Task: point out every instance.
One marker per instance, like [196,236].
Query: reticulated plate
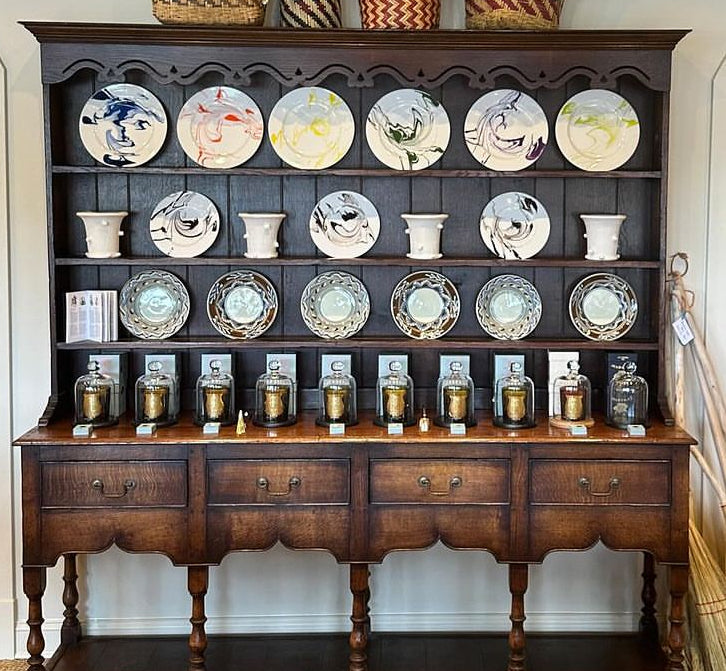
[514,225]
[408,129]
[311,128]
[335,305]
[123,125]
[425,305]
[506,130]
[344,225]
[597,130]
[603,306]
[508,307]
[242,304]
[153,304]
[220,127]
[184,224]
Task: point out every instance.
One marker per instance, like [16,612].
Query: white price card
[457,429]
[211,428]
[337,429]
[683,330]
[146,429]
[82,430]
[395,429]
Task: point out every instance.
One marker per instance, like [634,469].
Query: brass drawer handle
[293,483]
[454,482]
[128,486]
[584,483]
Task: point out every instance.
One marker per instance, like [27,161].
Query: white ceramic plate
[514,225]
[184,224]
[311,128]
[597,130]
[123,125]
[508,307]
[603,306]
[425,305]
[344,225]
[153,304]
[506,130]
[335,305]
[220,127]
[408,129]
[242,304]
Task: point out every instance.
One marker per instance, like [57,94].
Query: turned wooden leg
[518,577]
[677,633]
[648,624]
[71,628]
[34,587]
[358,635]
[197,581]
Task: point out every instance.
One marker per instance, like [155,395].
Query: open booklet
[91,315]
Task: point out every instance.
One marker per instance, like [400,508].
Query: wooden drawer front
[600,482]
[114,484]
[439,481]
[278,481]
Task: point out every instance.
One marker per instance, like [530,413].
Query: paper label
[636,430]
[683,330]
[211,428]
[337,429]
[82,430]
[145,429]
[457,429]
[395,429]
[578,430]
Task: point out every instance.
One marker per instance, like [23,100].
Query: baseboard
[7,626]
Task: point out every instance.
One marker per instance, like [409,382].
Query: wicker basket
[403,14]
[310,13]
[237,12]
[513,14]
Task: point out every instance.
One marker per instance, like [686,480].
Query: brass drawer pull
[128,486]
[584,483]
[293,483]
[454,482]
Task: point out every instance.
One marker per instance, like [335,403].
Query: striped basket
[237,12]
[403,14]
[310,13]
[513,14]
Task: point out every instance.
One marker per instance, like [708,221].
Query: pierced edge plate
[123,125]
[317,288]
[331,221]
[135,287]
[184,224]
[220,127]
[530,299]
[436,327]
[506,129]
[627,309]
[223,286]
[408,129]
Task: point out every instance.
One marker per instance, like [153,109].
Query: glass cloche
[455,398]
[275,403]
[627,399]
[215,396]
[394,397]
[575,394]
[94,397]
[156,397]
[514,400]
[337,397]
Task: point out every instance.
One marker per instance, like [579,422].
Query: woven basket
[403,14]
[237,12]
[310,13]
[513,14]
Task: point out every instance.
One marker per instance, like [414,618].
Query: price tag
[395,429]
[683,330]
[82,430]
[211,428]
[337,429]
[578,430]
[457,429]
[636,430]
[146,429]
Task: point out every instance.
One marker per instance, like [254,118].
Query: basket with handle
[513,14]
[226,12]
[400,14]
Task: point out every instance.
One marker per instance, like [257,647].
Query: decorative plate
[508,307]
[123,125]
[154,304]
[603,306]
[407,129]
[311,128]
[514,225]
[344,225]
[597,130]
[425,305]
[335,305]
[220,127]
[506,130]
[184,224]
[242,304]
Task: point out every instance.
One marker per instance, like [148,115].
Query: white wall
[282,590]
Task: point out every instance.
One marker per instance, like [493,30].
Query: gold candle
[456,402]
[275,403]
[155,402]
[95,402]
[515,404]
[215,402]
[394,401]
[336,400]
[572,404]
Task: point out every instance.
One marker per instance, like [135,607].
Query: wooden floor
[387,652]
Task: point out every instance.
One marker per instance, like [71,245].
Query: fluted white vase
[103,229]
[261,233]
[602,232]
[424,233]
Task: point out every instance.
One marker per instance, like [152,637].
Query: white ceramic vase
[424,232]
[602,232]
[103,229]
[261,233]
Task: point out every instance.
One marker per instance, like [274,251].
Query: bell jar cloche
[156,397]
[574,393]
[394,397]
[275,403]
[514,400]
[455,398]
[337,397]
[94,398]
[215,396]
[627,398]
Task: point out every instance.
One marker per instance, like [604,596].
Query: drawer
[439,481]
[103,484]
[278,481]
[600,482]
